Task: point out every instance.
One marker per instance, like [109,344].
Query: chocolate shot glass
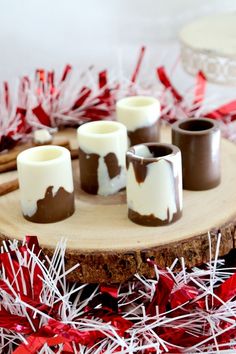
[46,183]
[199,142]
[102,149]
[154,184]
[140,115]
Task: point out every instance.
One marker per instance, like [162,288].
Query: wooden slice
[8,160]
[110,248]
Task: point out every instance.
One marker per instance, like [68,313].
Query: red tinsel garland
[44,102]
[47,102]
[185,312]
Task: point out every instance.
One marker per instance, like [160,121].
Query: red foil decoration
[177,312]
[164,79]
[43,101]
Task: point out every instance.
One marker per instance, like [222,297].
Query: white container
[154,184]
[208,44]
[46,183]
[140,115]
[102,151]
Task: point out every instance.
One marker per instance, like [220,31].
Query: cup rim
[82,130]
[123,102]
[131,152]
[24,156]
[177,126]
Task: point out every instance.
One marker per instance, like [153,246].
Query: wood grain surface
[110,248]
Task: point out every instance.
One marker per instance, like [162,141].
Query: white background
[105,33]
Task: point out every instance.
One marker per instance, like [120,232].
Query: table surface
[100,224]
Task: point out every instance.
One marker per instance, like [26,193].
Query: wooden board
[110,248]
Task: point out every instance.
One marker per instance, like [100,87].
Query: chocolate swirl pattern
[46,183]
[102,149]
[154,184]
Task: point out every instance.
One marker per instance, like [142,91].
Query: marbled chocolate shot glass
[46,183]
[154,184]
[199,142]
[102,150]
[140,115]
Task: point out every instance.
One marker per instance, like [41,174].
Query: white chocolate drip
[107,185]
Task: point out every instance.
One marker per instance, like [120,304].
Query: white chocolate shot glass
[154,184]
[140,115]
[102,154]
[46,183]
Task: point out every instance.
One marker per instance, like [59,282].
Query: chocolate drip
[89,169]
[113,167]
[151,220]
[140,165]
[53,208]
[140,171]
[150,133]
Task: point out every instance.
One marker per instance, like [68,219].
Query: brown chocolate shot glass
[154,184]
[141,116]
[199,142]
